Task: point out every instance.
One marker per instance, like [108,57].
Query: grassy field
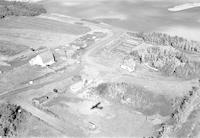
[38,32]
[10,49]
[38,128]
[35,38]
[43,25]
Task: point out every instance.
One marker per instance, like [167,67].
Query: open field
[39,32]
[38,128]
[9,49]
[35,38]
[42,25]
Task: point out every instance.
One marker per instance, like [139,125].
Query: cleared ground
[38,32]
[41,24]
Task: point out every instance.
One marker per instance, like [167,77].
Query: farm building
[44,59]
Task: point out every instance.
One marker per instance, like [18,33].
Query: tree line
[16,8]
[167,40]
[168,61]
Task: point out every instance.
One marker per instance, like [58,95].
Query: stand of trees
[167,40]
[189,70]
[15,8]
[169,61]
[11,118]
[129,94]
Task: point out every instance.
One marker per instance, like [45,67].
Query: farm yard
[64,76]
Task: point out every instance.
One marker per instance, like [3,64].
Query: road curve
[87,58]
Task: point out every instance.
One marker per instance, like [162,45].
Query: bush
[13,8]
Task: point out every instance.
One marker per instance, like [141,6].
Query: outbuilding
[43,59]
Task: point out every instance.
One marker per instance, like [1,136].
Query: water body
[136,15]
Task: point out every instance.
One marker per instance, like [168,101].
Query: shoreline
[184,7]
